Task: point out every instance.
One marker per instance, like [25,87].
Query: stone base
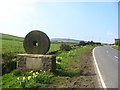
[36,62]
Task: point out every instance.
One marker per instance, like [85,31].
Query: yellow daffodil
[57,62]
[31,71]
[29,77]
[44,71]
[18,78]
[40,70]
[59,58]
[37,73]
[33,74]
[24,78]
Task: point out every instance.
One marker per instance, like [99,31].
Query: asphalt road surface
[107,60]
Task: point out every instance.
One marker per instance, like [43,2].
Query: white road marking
[116,57]
[98,70]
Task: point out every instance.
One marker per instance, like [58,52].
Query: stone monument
[36,45]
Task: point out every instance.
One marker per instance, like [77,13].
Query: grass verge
[116,47]
[76,69]
[69,68]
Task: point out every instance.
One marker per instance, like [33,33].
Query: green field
[11,37]
[14,45]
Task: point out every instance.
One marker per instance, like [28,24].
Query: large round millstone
[36,42]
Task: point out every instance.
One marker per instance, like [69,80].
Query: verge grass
[68,67]
[40,79]
[72,59]
[116,47]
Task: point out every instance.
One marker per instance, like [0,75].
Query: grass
[71,58]
[116,47]
[12,45]
[11,37]
[10,80]
[71,65]
[68,67]
[16,47]
[54,46]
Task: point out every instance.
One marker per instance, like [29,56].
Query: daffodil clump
[37,77]
[58,60]
[22,81]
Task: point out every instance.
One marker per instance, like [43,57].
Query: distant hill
[16,38]
[11,37]
[64,40]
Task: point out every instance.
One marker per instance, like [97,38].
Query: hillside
[11,44]
[14,44]
[16,38]
[11,37]
[64,40]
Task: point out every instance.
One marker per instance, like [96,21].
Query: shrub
[8,66]
[90,43]
[17,72]
[65,47]
[8,56]
[82,43]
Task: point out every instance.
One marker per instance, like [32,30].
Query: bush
[8,66]
[90,43]
[17,72]
[8,56]
[65,47]
[82,43]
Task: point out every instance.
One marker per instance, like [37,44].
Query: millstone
[36,42]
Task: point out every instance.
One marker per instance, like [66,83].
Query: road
[107,61]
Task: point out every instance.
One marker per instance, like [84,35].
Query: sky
[74,19]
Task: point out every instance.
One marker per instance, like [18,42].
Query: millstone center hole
[35,43]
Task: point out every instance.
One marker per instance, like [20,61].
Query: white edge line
[116,57]
[98,70]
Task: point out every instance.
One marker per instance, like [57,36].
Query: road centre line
[98,70]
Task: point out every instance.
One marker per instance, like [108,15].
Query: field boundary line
[98,70]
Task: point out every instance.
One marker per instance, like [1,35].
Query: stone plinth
[36,62]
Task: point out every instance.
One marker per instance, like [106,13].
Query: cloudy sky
[95,20]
